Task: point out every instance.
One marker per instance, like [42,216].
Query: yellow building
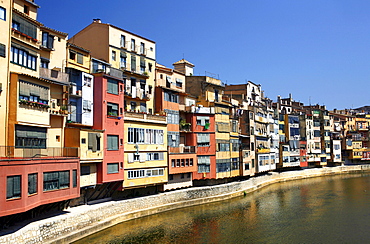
[145,161]
[5,26]
[36,79]
[126,51]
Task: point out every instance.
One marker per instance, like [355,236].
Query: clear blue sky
[317,50]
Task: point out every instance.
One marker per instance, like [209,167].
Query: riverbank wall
[81,221]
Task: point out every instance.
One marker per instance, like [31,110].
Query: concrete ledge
[85,220]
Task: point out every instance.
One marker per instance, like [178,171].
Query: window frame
[3,10]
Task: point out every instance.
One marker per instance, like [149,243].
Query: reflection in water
[318,210]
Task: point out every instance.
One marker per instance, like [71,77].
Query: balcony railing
[144,116]
[182,149]
[10,152]
[54,75]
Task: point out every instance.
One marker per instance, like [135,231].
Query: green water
[333,209]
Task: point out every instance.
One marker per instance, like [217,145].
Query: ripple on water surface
[331,209]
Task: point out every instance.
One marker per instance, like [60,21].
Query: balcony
[182,149]
[145,117]
[138,92]
[54,75]
[75,91]
[200,109]
[10,152]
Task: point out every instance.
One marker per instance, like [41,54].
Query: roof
[56,31]
[78,47]
[27,17]
[184,61]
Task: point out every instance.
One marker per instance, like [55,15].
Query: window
[142,65]
[123,41]
[2,13]
[234,145]
[72,55]
[223,165]
[133,106]
[87,81]
[2,50]
[25,9]
[80,58]
[47,40]
[30,137]
[24,26]
[178,82]
[114,55]
[143,173]
[85,170]
[32,184]
[112,86]
[13,187]
[94,142]
[44,63]
[173,116]
[74,178]
[112,142]
[203,140]
[56,180]
[204,164]
[23,58]
[202,120]
[133,45]
[142,48]
[112,109]
[173,139]
[123,60]
[112,168]
[143,107]
[154,156]
[171,97]
[223,146]
[133,63]
[145,136]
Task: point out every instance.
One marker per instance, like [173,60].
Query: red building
[204,138]
[108,116]
[303,154]
[31,179]
[170,96]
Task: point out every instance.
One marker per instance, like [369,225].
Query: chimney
[97,20]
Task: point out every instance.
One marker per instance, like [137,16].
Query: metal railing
[182,149]
[11,152]
[54,75]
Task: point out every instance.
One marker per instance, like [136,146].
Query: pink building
[108,116]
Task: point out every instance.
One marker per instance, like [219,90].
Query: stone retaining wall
[84,220]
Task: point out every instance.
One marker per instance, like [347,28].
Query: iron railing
[11,152]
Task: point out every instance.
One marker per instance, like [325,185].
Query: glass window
[80,58]
[112,86]
[32,183]
[123,41]
[56,180]
[2,13]
[112,109]
[74,178]
[204,164]
[13,186]
[2,50]
[112,142]
[112,168]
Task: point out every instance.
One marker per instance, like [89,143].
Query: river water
[333,209]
